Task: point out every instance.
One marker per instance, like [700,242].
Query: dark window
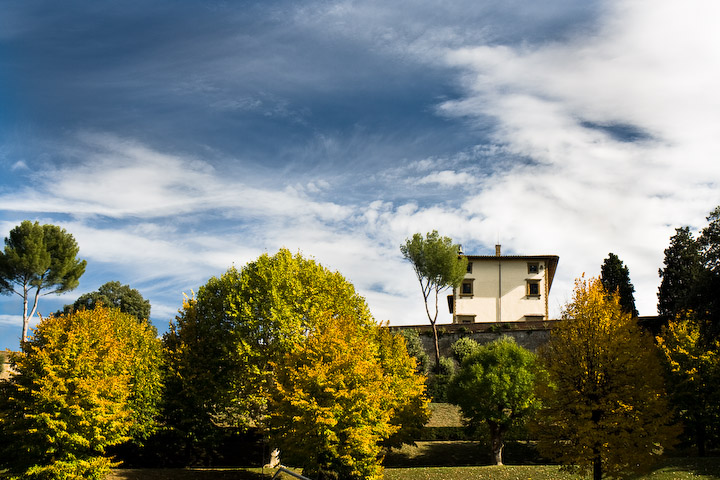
[469,267]
[533,267]
[467,288]
[533,289]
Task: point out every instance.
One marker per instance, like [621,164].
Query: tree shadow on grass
[459,453]
[184,474]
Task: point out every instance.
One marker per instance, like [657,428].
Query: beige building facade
[504,288]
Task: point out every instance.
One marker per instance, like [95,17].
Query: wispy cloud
[11,320]
[121,178]
[448,178]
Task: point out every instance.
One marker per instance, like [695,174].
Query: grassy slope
[444,415]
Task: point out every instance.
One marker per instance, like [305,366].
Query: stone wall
[530,335]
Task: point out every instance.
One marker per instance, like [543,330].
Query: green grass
[671,469]
[524,472]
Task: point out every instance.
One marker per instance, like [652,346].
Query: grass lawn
[671,469]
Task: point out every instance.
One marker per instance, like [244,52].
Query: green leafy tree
[438,265]
[203,368]
[495,385]
[221,346]
[605,408]
[615,277]
[336,395]
[693,369]
[38,260]
[113,294]
[83,382]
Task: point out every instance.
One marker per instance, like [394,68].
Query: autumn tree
[223,342]
[438,265]
[495,385]
[615,277]
[38,260]
[113,294]
[604,406]
[83,383]
[339,395]
[693,368]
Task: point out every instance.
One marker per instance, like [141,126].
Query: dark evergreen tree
[709,289]
[709,241]
[615,277]
[682,274]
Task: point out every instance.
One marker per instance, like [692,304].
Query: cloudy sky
[177,139]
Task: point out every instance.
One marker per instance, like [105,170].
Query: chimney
[497,250]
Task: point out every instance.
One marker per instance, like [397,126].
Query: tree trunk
[25,316]
[497,442]
[437,348]
[597,467]
[700,438]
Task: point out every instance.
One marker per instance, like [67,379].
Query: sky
[174,140]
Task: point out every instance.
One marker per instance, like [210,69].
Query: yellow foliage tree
[604,407]
[83,382]
[339,395]
[693,367]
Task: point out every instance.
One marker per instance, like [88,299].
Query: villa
[504,288]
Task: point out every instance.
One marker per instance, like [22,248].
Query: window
[534,318]
[466,288]
[466,319]
[533,288]
[533,267]
[469,267]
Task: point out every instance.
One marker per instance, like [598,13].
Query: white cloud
[652,66]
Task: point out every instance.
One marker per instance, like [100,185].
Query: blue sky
[178,139]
